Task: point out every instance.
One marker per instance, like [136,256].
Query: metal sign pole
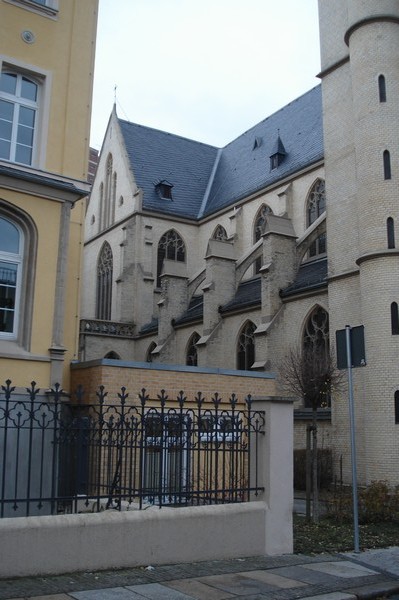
[353,444]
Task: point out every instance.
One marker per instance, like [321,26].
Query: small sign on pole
[351,353]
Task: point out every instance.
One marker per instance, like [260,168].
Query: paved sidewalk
[348,576]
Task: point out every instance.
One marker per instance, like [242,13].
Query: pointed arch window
[259,228]
[316,206]
[191,352]
[220,234]
[114,183]
[171,247]
[107,193]
[246,347]
[149,357]
[316,343]
[104,283]
[112,355]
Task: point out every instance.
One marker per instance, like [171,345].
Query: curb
[383,589]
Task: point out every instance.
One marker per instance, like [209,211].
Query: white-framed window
[221,428]
[19,97]
[165,457]
[11,255]
[47,8]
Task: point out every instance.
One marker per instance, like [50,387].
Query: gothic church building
[228,257]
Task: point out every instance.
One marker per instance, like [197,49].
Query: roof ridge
[167,133]
[210,184]
[276,112]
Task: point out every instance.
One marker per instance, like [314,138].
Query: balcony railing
[108,328]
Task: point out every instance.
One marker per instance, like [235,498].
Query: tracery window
[316,338]
[316,206]
[171,247]
[259,227]
[220,234]
[18,116]
[316,332]
[104,283]
[246,347]
[191,353]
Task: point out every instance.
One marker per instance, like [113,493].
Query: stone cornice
[368,21]
[377,254]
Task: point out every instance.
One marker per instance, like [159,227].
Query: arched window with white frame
[11,256]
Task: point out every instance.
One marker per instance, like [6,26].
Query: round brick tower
[360,82]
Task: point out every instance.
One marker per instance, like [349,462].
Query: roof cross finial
[115,86]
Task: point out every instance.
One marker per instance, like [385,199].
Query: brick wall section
[135,376]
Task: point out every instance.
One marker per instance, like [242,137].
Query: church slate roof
[312,275]
[194,313]
[156,155]
[248,295]
[206,179]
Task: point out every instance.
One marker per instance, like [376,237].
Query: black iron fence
[62,455]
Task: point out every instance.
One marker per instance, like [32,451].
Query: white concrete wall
[112,539]
[66,543]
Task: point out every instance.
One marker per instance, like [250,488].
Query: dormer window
[164,189]
[278,154]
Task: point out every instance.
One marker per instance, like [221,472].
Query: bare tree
[310,373]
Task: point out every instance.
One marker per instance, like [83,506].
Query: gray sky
[204,69]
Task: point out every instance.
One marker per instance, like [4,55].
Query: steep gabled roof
[206,179]
[243,170]
[156,155]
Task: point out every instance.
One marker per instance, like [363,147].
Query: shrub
[376,503]
[324,468]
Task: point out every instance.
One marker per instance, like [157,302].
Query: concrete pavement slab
[107,594]
[198,589]
[157,591]
[52,597]
[299,573]
[332,596]
[343,568]
[238,584]
[273,579]
[386,559]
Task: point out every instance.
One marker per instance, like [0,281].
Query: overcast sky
[204,69]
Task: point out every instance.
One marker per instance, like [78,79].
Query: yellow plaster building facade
[47,52]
